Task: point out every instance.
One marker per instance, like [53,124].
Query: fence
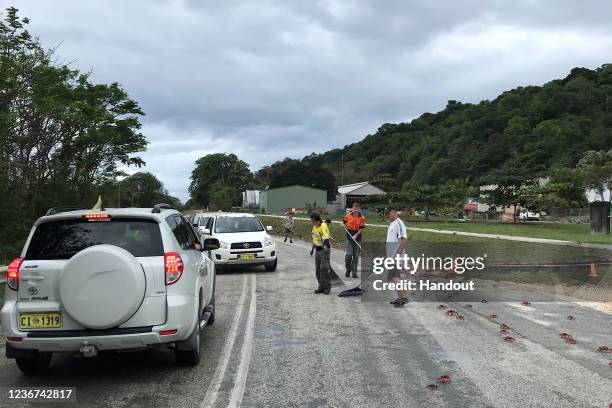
[575,215]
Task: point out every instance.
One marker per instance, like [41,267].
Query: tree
[421,197]
[62,137]
[222,197]
[596,170]
[506,185]
[305,172]
[219,169]
[143,189]
[452,195]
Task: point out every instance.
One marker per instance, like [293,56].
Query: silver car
[113,279]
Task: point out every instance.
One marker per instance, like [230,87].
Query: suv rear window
[61,239]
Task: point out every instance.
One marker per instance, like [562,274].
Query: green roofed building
[291,198]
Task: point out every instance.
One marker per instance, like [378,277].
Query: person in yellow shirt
[321,243]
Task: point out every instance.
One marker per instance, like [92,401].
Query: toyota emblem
[246,245]
[32,291]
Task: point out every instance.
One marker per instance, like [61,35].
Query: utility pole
[342,168]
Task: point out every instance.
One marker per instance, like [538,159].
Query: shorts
[288,230]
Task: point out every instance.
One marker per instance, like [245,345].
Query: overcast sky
[274,79]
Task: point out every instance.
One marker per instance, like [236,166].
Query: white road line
[213,388]
[247,349]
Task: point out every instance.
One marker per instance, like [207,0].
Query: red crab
[468,306]
[604,349]
[441,306]
[503,327]
[571,318]
[525,303]
[509,339]
[460,317]
[564,335]
[451,312]
[570,340]
[493,316]
[503,331]
[432,387]
[443,379]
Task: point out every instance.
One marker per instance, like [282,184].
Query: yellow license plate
[246,256]
[50,320]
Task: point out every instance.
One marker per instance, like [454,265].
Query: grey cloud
[271,79]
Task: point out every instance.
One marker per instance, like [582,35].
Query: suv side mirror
[269,228]
[210,244]
[204,230]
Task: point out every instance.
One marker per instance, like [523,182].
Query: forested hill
[539,127]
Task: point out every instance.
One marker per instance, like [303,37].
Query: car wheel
[34,365]
[271,267]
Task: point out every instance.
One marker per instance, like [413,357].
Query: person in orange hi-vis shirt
[354,222]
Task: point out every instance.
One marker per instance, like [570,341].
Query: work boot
[354,275]
[290,241]
[327,291]
[285,239]
[348,273]
[320,290]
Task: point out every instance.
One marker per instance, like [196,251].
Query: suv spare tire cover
[102,286]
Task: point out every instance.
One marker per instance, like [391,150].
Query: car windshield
[203,221]
[61,239]
[237,224]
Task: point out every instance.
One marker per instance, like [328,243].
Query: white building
[250,199]
[350,193]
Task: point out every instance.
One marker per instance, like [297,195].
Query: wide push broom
[357,290]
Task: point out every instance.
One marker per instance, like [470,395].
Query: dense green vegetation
[62,138]
[218,181]
[538,128]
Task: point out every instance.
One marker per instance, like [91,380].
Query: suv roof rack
[61,209]
[157,208]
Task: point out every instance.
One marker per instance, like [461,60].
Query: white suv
[242,238]
[112,279]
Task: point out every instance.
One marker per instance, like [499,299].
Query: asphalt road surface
[276,344]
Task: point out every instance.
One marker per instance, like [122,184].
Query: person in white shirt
[397,238]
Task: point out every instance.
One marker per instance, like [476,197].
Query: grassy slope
[565,231]
[497,250]
[562,231]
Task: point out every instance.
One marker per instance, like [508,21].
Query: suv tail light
[173,265]
[12,274]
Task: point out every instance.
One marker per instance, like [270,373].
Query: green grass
[497,250]
[561,231]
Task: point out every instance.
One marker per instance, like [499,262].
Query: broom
[357,290]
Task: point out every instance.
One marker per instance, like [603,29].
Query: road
[276,344]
